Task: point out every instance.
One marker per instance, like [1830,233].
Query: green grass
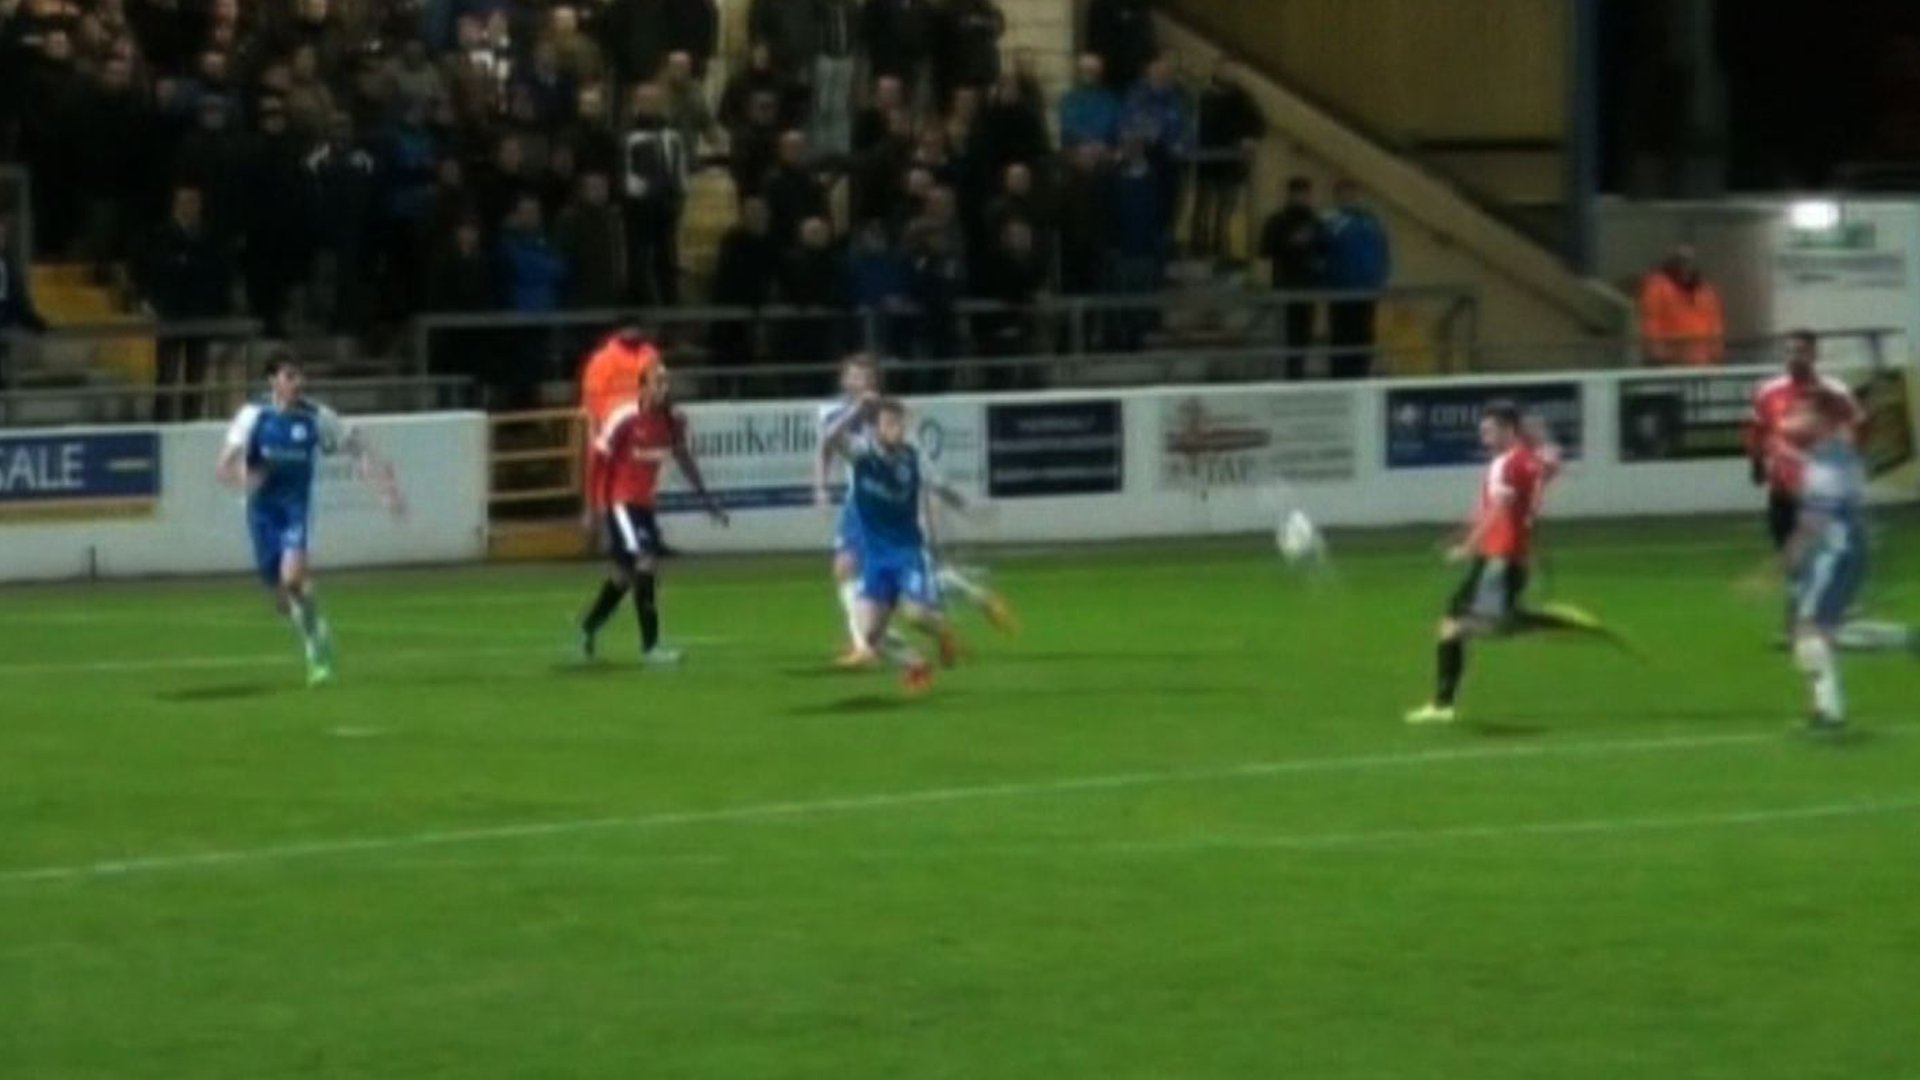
[1175,830]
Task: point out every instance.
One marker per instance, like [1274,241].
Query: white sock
[1869,635]
[1815,657]
[895,648]
[960,583]
[850,603]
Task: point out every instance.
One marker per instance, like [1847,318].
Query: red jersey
[1772,401]
[632,446]
[1510,500]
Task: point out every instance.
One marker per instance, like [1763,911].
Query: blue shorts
[276,528]
[1829,578]
[887,577]
[846,533]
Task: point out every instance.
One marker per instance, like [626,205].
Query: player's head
[631,333]
[1803,355]
[1500,426]
[859,375]
[655,384]
[890,422]
[285,377]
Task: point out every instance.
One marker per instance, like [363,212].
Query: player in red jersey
[1498,547]
[634,444]
[1775,461]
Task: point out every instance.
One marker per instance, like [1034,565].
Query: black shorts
[632,535]
[1783,517]
[1491,591]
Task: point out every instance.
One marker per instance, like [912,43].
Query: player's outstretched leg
[1566,619]
[612,591]
[933,625]
[1872,635]
[991,604]
[1450,667]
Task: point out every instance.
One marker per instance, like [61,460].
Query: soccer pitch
[1176,829]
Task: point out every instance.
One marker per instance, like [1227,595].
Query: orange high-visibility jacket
[610,379]
[1681,325]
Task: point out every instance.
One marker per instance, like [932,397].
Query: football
[1298,538]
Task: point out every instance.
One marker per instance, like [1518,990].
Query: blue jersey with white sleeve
[282,448]
[1833,568]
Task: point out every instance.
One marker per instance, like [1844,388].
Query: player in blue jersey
[272,452]
[892,494]
[860,377]
[1827,555]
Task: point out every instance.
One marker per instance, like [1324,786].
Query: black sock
[645,604]
[603,606]
[1453,664]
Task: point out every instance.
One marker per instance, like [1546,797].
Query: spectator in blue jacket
[532,274]
[532,268]
[1137,235]
[1359,258]
[1090,112]
[880,286]
[1157,111]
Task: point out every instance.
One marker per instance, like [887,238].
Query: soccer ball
[1298,539]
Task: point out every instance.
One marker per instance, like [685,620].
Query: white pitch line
[853,804]
[1202,845]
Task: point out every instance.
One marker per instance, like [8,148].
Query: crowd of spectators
[383,158]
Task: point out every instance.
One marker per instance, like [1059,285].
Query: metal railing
[969,341]
[141,371]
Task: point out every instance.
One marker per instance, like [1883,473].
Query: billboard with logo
[1675,418]
[1055,448]
[1247,439]
[1434,427]
[100,474]
[759,457]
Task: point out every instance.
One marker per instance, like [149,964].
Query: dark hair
[893,406]
[1804,336]
[859,359]
[1299,183]
[281,362]
[1503,412]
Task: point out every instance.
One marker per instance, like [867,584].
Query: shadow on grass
[867,705]
[191,695]
[1496,729]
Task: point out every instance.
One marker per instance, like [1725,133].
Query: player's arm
[836,441]
[230,467]
[369,464]
[1759,435]
[690,468]
[1501,504]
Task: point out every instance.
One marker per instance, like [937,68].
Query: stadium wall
[1175,462]
[133,502]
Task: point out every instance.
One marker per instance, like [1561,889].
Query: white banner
[1257,438]
[198,526]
